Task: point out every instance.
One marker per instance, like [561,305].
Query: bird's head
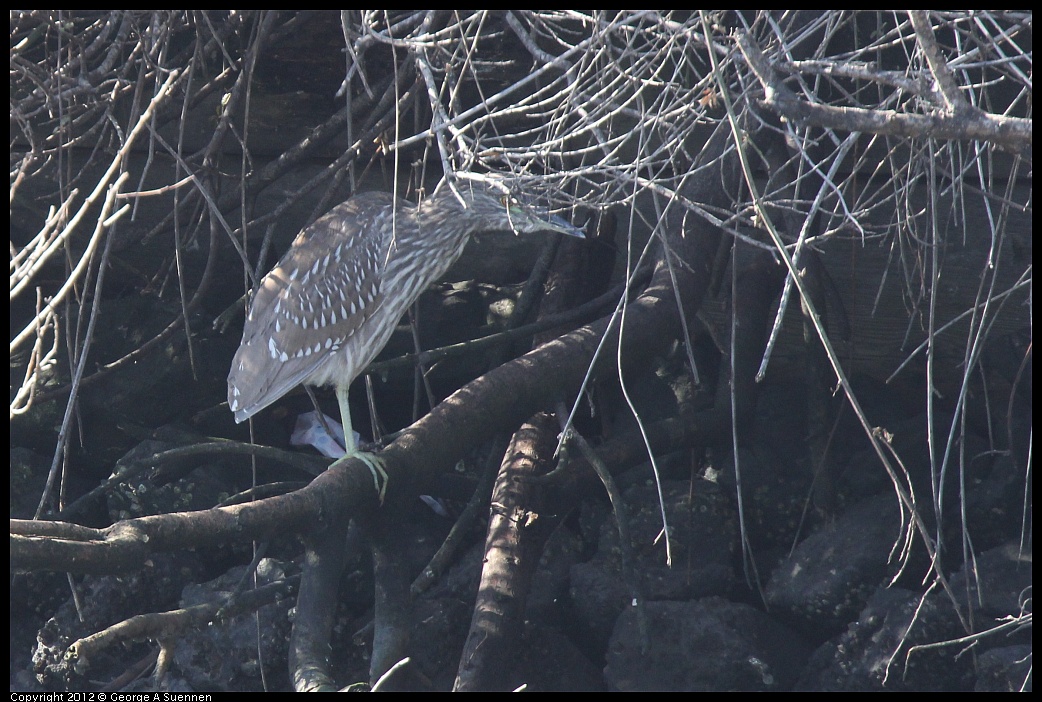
[491,207]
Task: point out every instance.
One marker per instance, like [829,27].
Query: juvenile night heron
[332,302]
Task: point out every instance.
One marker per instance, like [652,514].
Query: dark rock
[705,645]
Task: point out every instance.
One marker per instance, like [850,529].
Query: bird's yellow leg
[380,479]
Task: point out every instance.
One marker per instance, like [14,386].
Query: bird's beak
[557,224]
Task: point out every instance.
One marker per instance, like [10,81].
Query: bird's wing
[305,309]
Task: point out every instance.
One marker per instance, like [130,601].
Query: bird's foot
[376,467]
